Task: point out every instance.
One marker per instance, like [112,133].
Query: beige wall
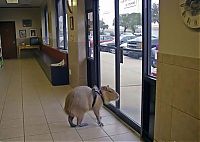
[178,81]
[180,39]
[17,14]
[76,45]
[76,41]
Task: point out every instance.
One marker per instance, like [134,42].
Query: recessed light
[12,1]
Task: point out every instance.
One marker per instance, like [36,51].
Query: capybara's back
[78,101]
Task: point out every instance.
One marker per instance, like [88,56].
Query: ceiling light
[12,1]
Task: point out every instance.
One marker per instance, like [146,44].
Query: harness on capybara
[95,92]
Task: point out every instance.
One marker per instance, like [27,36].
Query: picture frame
[22,33]
[33,33]
[27,22]
[71,23]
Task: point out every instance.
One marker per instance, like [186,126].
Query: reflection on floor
[32,110]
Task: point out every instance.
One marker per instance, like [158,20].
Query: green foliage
[102,25]
[155,13]
[129,21]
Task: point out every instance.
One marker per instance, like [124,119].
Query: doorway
[121,54]
[125,45]
[8,40]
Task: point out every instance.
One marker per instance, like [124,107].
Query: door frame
[91,70]
[149,83]
[93,74]
[146,130]
[96,35]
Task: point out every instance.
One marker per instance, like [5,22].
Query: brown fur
[80,99]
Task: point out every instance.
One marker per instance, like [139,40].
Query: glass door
[107,42]
[130,22]
[125,56]
[122,71]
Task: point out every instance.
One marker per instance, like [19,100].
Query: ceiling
[23,3]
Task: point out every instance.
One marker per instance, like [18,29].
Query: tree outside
[130,21]
[155,13]
[103,26]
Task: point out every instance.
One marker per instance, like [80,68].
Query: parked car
[103,38]
[134,46]
[126,33]
[106,38]
[110,46]
[106,46]
[138,34]
[125,38]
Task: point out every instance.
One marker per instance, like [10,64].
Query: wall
[180,40]
[178,81]
[17,14]
[76,45]
[76,40]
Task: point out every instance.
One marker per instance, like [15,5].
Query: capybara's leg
[79,121]
[96,112]
[70,119]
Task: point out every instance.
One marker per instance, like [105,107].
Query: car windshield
[137,38]
[140,38]
[121,37]
[126,37]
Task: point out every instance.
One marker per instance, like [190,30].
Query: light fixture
[12,1]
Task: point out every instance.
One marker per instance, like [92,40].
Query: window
[46,40]
[90,34]
[61,25]
[154,38]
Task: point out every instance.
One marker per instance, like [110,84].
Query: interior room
[145,51]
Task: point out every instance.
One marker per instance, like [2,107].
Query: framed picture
[22,33]
[27,23]
[33,33]
[71,23]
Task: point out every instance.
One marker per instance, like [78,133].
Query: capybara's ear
[107,86]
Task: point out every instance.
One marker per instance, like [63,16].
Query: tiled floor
[32,110]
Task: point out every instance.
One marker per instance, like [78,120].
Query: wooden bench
[46,56]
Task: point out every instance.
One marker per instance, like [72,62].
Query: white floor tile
[32,106]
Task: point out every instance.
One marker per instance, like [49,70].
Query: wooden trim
[55,53]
